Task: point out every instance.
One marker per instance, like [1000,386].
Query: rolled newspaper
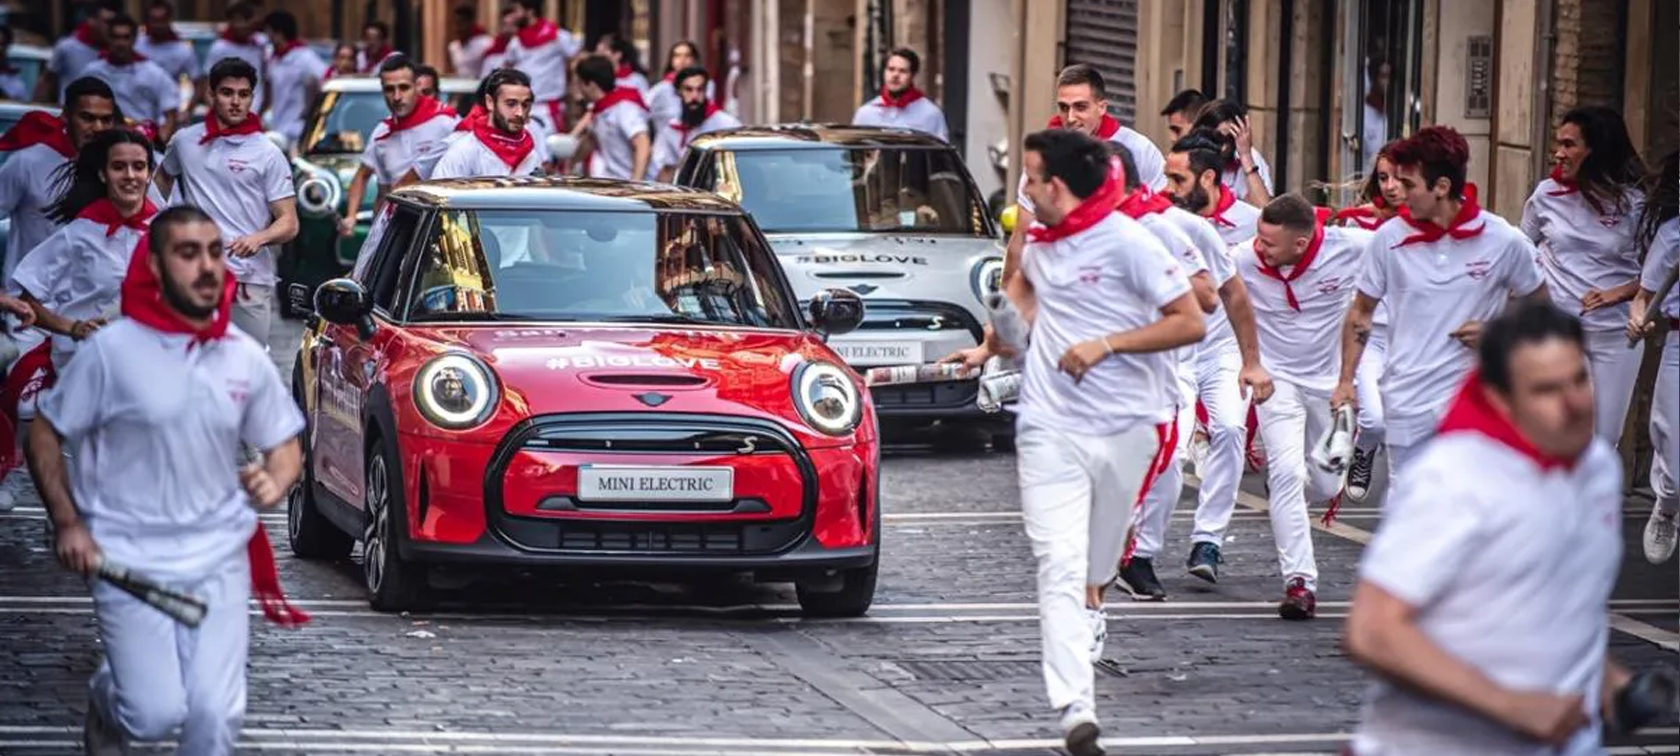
[899,374]
[1335,448]
[1008,325]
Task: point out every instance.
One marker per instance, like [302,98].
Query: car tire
[856,594]
[393,584]
[310,534]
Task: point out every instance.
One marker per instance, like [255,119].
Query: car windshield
[343,122]
[28,69]
[633,267]
[916,190]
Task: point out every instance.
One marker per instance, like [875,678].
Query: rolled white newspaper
[1008,325]
[898,374]
[1335,448]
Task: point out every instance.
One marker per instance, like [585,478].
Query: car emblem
[865,289]
[748,445]
[653,398]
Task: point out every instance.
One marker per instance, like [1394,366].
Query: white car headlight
[827,398]
[320,192]
[455,391]
[987,278]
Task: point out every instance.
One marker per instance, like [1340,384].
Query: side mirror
[344,302]
[562,146]
[836,311]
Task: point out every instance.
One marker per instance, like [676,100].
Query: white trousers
[159,676]
[1665,425]
[1371,363]
[253,311]
[1078,493]
[1290,422]
[1615,370]
[1155,513]
[1227,428]
[1398,456]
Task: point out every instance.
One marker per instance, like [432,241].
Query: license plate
[615,483]
[879,352]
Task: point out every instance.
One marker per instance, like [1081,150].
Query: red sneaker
[1298,602]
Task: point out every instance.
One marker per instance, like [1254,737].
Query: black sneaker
[1359,475]
[1138,578]
[1204,561]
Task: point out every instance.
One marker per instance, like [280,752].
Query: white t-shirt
[233,179]
[672,141]
[290,79]
[390,156]
[1235,221]
[544,61]
[144,91]
[1220,268]
[467,58]
[1146,157]
[467,157]
[1112,277]
[1303,346]
[922,114]
[613,129]
[252,53]
[1664,252]
[633,80]
[1236,179]
[1432,288]
[78,275]
[1580,250]
[155,429]
[70,57]
[1181,246]
[425,164]
[29,182]
[1510,567]
[176,57]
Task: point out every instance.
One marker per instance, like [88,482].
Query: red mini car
[602,377]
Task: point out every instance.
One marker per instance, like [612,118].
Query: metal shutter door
[1104,35]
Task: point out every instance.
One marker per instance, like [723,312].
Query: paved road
[946,662]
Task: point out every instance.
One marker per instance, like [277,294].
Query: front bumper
[907,332]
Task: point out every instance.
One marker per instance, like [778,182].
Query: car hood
[886,266]
[555,369]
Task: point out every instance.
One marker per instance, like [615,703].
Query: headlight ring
[455,391]
[827,398]
[987,278]
[320,192]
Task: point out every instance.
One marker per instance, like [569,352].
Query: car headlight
[987,277]
[319,192]
[827,398]
[455,391]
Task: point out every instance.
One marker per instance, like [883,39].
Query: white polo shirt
[1510,566]
[290,78]
[1221,269]
[29,182]
[1236,179]
[1146,157]
[1432,288]
[921,114]
[542,50]
[1581,249]
[1181,246]
[672,141]
[613,129]
[1235,221]
[390,155]
[144,91]
[232,178]
[1303,346]
[1665,250]
[70,57]
[1112,277]
[467,56]
[177,56]
[155,429]
[251,52]
[665,102]
[78,274]
[425,164]
[468,157]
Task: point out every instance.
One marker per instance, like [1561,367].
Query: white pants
[1290,421]
[1665,425]
[1227,427]
[1615,369]
[1077,497]
[1371,363]
[253,311]
[1161,499]
[1398,456]
[159,676]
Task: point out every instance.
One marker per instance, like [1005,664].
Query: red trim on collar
[903,100]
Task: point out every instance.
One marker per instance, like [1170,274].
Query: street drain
[964,670]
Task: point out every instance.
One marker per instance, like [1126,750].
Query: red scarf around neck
[425,109]
[1105,130]
[616,96]
[1300,267]
[1565,185]
[84,35]
[475,116]
[475,32]
[1225,201]
[1472,412]
[1429,233]
[104,211]
[712,109]
[510,149]
[1091,210]
[281,50]
[375,57]
[624,71]
[903,100]
[1367,216]
[38,127]
[670,77]
[1140,202]
[213,128]
[245,39]
[538,33]
[499,45]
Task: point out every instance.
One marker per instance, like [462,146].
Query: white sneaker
[99,738]
[1099,631]
[7,500]
[1080,731]
[1659,536]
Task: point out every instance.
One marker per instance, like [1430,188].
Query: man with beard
[497,144]
[543,51]
[295,73]
[699,115]
[144,91]
[156,408]
[74,53]
[417,127]
[618,121]
[40,146]
[1192,170]
[901,103]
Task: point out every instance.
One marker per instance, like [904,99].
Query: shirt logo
[1090,274]
[237,165]
[1478,269]
[238,390]
[1329,285]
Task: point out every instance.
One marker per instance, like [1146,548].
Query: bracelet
[1108,347]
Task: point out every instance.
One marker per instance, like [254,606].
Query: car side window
[387,261]
[360,271]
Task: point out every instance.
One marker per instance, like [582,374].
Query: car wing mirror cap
[343,301]
[836,311]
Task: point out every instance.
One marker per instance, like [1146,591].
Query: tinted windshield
[593,266]
[925,191]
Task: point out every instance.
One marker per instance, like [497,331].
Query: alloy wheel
[374,538]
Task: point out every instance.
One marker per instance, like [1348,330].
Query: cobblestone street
[945,662]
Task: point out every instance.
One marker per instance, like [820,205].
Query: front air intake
[645,379]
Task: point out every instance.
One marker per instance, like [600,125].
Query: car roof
[563,193]
[454,85]
[33,52]
[785,136]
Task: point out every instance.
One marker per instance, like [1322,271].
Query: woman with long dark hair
[628,71]
[1658,237]
[1582,218]
[664,104]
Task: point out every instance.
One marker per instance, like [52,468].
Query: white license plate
[879,352]
[615,483]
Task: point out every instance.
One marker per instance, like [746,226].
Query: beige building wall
[1456,23]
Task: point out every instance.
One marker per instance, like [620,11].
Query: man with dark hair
[1107,306]
[1299,274]
[12,85]
[1480,602]
[1446,267]
[901,103]
[699,115]
[376,46]
[426,81]
[415,132]
[240,39]
[1193,169]
[498,142]
[227,167]
[295,73]
[144,91]
[41,145]
[160,43]
[543,51]
[618,122]
[76,51]
[157,406]
[1245,172]
[1181,111]
[468,43]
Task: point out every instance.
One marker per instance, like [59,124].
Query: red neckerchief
[538,33]
[1226,200]
[38,127]
[903,100]
[1141,202]
[684,129]
[1091,211]
[499,44]
[1565,185]
[512,150]
[425,109]
[1429,233]
[213,128]
[375,57]
[474,116]
[1471,412]
[624,71]
[103,211]
[476,31]
[84,35]
[1105,130]
[229,36]
[1367,217]
[105,55]
[1300,265]
[166,37]
[616,96]
[281,50]
[670,77]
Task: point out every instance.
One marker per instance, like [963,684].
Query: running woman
[1659,238]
